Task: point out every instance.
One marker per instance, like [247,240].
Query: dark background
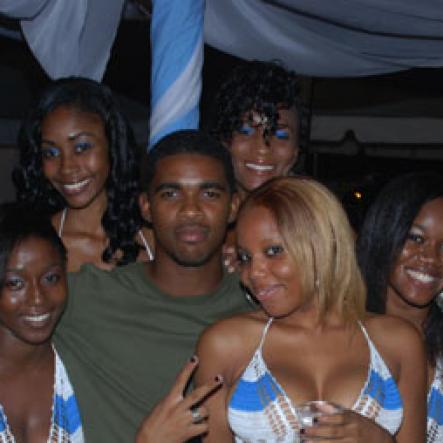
[344,165]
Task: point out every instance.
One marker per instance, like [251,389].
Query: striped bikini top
[260,411]
[66,426]
[435,407]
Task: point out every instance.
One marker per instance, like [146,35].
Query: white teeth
[257,167]
[76,186]
[264,292]
[421,276]
[37,318]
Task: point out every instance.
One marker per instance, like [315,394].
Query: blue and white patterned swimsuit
[259,410]
[65,422]
[435,407]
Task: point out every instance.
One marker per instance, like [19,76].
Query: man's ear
[145,209]
[235,204]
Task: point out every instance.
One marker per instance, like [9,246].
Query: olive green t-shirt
[123,341]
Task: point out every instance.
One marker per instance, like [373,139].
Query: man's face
[189,206]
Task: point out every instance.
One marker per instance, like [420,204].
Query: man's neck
[181,281]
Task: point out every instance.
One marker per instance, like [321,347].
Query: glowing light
[358,195]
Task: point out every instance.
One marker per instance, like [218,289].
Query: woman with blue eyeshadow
[260,118]
[79,163]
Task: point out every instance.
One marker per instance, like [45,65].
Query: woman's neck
[88,219]
[19,357]
[397,307]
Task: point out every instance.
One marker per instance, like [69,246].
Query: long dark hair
[121,219]
[381,239]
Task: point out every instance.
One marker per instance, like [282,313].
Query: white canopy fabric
[314,37]
[68,37]
[330,38]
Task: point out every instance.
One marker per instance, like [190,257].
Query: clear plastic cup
[310,410]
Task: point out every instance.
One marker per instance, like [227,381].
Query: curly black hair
[264,87]
[381,239]
[122,218]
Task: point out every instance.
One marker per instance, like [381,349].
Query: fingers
[329,408]
[202,392]
[230,258]
[199,414]
[328,427]
[183,377]
[318,432]
[195,430]
[230,268]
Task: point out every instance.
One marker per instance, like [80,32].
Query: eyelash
[81,147]
[243,257]
[271,251]
[282,134]
[50,152]
[416,238]
[52,278]
[212,194]
[14,284]
[246,130]
[168,194]
[274,250]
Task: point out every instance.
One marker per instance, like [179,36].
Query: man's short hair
[189,141]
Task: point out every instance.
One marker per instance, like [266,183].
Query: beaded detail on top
[65,422]
[260,411]
[435,407]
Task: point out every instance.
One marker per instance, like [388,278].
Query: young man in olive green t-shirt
[126,333]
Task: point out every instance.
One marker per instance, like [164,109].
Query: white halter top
[260,410]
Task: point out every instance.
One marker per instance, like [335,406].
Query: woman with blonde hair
[311,339]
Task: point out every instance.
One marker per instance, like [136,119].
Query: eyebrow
[70,137]
[58,264]
[204,185]
[79,134]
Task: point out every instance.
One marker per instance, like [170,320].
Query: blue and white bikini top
[66,426]
[260,411]
[434,432]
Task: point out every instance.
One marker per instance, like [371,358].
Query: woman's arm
[411,354]
[221,351]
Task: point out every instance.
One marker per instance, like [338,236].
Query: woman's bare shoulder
[227,346]
[235,326]
[394,335]
[233,334]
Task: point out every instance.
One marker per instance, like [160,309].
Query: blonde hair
[318,237]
